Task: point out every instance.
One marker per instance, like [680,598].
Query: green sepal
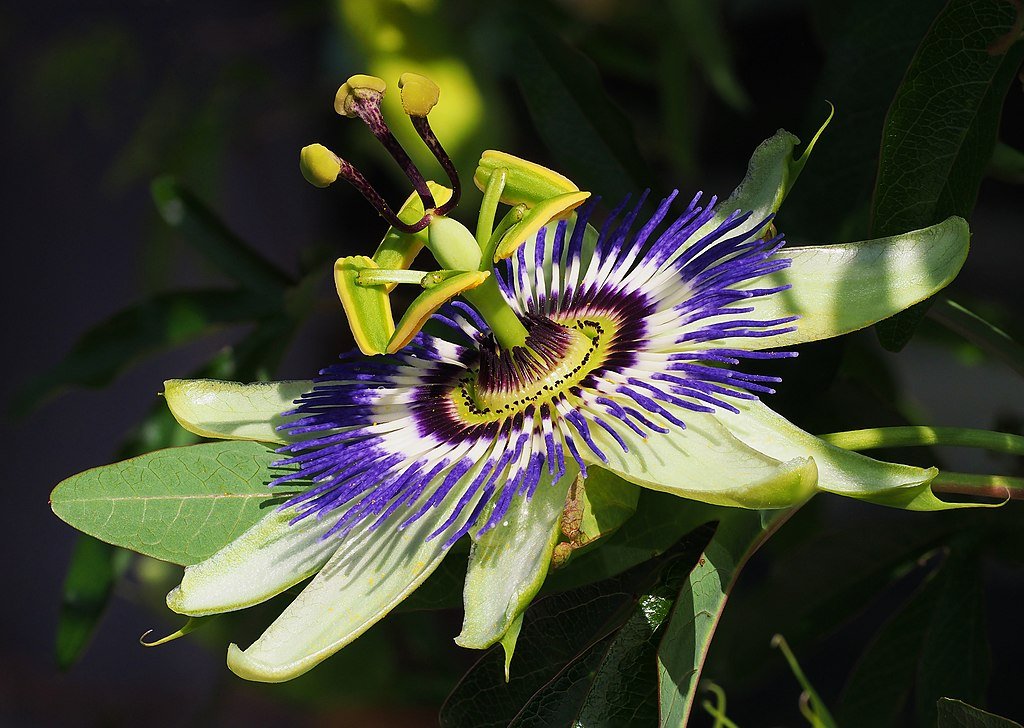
[526,182]
[708,463]
[508,644]
[363,581]
[771,174]
[229,410]
[274,555]
[426,304]
[367,308]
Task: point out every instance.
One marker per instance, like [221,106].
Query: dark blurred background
[104,97]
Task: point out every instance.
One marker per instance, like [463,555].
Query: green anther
[527,182]
[419,94]
[452,245]
[356,88]
[320,166]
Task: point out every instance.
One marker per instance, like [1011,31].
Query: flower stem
[991,486]
[877,437]
[504,323]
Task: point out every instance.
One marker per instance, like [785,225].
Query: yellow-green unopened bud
[357,87]
[419,94]
[525,182]
[320,166]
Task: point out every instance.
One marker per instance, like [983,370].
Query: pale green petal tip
[794,485]
[177,601]
[508,643]
[257,671]
[181,601]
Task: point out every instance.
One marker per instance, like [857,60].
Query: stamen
[360,97]
[419,96]
[321,167]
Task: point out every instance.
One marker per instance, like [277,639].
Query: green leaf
[836,193]
[806,602]
[94,569]
[700,29]
[941,127]
[588,135]
[203,230]
[958,714]
[216,409]
[163,321]
[955,657]
[256,352]
[589,652]
[1007,164]
[934,645]
[179,505]
[985,335]
[699,607]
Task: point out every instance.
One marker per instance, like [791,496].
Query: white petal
[508,564]
[261,563]
[367,578]
[228,410]
[706,462]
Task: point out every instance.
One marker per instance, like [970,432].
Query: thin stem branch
[989,486]
[877,437]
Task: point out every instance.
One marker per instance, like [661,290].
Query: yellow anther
[419,94]
[357,88]
[320,166]
[525,182]
[551,209]
[367,308]
[426,304]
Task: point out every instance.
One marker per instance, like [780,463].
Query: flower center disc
[555,359]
